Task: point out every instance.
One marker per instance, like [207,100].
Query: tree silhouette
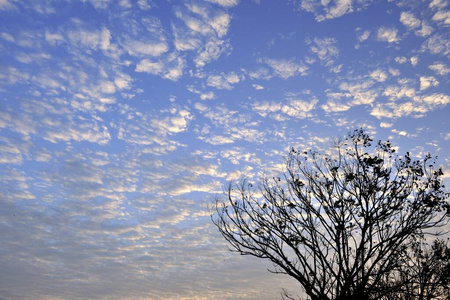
[424,274]
[340,223]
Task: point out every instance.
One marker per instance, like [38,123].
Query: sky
[121,122]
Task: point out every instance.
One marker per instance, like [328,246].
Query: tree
[340,223]
[425,274]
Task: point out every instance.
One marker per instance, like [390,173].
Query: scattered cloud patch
[145,48]
[202,31]
[224,81]
[225,3]
[7,4]
[388,34]
[324,10]
[437,44]
[261,73]
[286,68]
[409,20]
[362,36]
[401,59]
[379,75]
[440,69]
[427,81]
[171,68]
[7,37]
[97,39]
[207,96]
[416,107]
[211,51]
[292,107]
[386,125]
[325,49]
[442,16]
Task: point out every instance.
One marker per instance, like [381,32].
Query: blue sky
[122,120]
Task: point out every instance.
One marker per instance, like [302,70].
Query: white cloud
[401,59]
[409,20]
[203,108]
[225,3]
[436,100]
[220,23]
[125,3]
[175,67]
[154,128]
[145,4]
[12,151]
[257,87]
[7,37]
[224,81]
[426,30]
[361,91]
[53,38]
[340,8]
[265,107]
[202,30]
[286,68]
[299,108]
[440,68]
[325,49]
[100,4]
[438,4]
[175,123]
[292,107]
[427,81]
[7,4]
[207,96]
[170,68]
[217,140]
[151,67]
[386,125]
[364,35]
[261,73]
[211,51]
[184,41]
[123,81]
[379,75]
[32,58]
[386,34]
[442,17]
[81,132]
[394,72]
[416,107]
[437,44]
[97,39]
[107,87]
[403,89]
[335,105]
[145,48]
[331,9]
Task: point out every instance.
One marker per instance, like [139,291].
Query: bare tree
[339,223]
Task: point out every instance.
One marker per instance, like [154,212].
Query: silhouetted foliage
[344,223]
[424,274]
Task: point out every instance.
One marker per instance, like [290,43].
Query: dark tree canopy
[343,223]
[424,273]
